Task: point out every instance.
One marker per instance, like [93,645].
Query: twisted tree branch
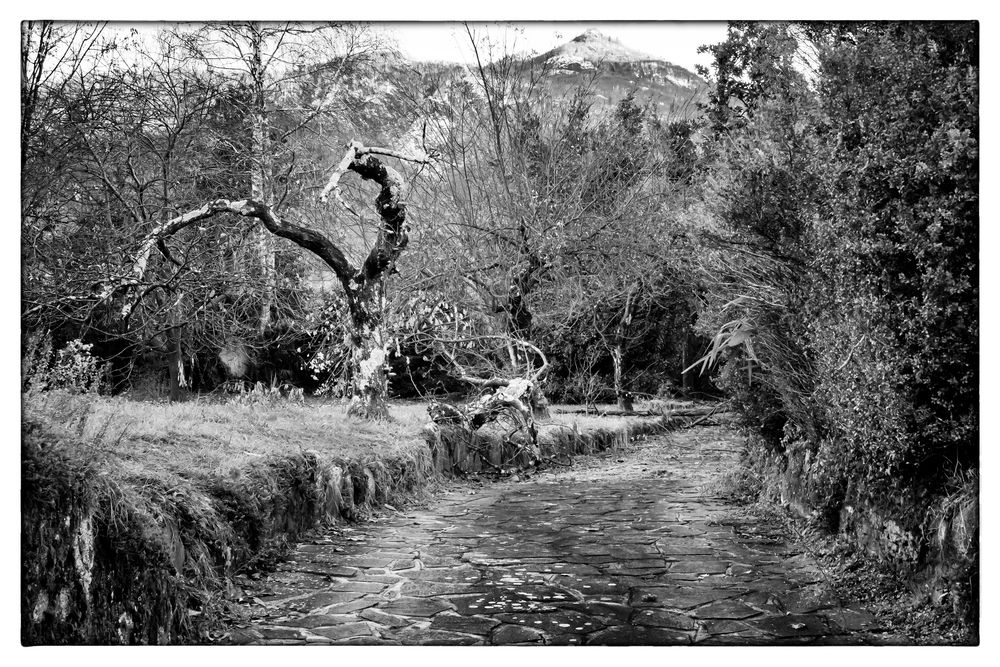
[392,236]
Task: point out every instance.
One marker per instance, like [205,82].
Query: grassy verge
[217,438]
[138,517]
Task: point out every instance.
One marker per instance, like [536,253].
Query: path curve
[628,547]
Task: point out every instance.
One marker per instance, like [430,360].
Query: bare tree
[53,56]
[363,285]
[543,196]
[138,126]
[271,60]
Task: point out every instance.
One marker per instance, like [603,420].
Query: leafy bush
[897,325]
[71,368]
[842,272]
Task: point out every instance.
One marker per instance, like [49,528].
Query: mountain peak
[593,35]
[594,46]
[616,69]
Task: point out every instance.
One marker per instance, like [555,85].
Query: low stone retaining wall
[455,450]
[114,559]
[933,543]
[109,559]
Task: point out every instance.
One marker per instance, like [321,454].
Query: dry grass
[585,422]
[220,439]
[203,490]
[571,414]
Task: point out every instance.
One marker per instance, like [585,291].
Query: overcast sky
[676,42]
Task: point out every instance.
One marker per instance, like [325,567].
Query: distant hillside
[383,103]
[617,68]
[611,69]
[403,104]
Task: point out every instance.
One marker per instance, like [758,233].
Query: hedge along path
[117,554]
[630,548]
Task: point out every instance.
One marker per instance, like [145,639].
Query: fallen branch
[699,421]
[519,397]
[515,398]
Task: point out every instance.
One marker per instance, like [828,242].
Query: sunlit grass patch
[219,438]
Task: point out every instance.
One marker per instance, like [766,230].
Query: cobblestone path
[628,547]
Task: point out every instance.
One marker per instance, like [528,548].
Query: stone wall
[932,543]
[110,563]
[455,450]
[115,563]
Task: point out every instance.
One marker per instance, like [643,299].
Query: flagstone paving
[628,547]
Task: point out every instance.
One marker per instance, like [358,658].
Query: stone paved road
[629,547]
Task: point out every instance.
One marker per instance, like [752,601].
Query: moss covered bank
[116,551]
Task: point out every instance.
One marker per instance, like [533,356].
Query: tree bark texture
[368,343]
[624,397]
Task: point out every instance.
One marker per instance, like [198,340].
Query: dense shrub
[897,324]
[843,273]
[72,368]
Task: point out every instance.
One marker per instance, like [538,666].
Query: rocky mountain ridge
[384,99]
[616,69]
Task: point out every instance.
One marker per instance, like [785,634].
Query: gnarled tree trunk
[368,344]
[365,292]
[362,285]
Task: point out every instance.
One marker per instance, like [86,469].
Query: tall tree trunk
[175,363]
[623,396]
[261,175]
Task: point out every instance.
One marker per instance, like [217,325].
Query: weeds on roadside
[72,368]
[268,394]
